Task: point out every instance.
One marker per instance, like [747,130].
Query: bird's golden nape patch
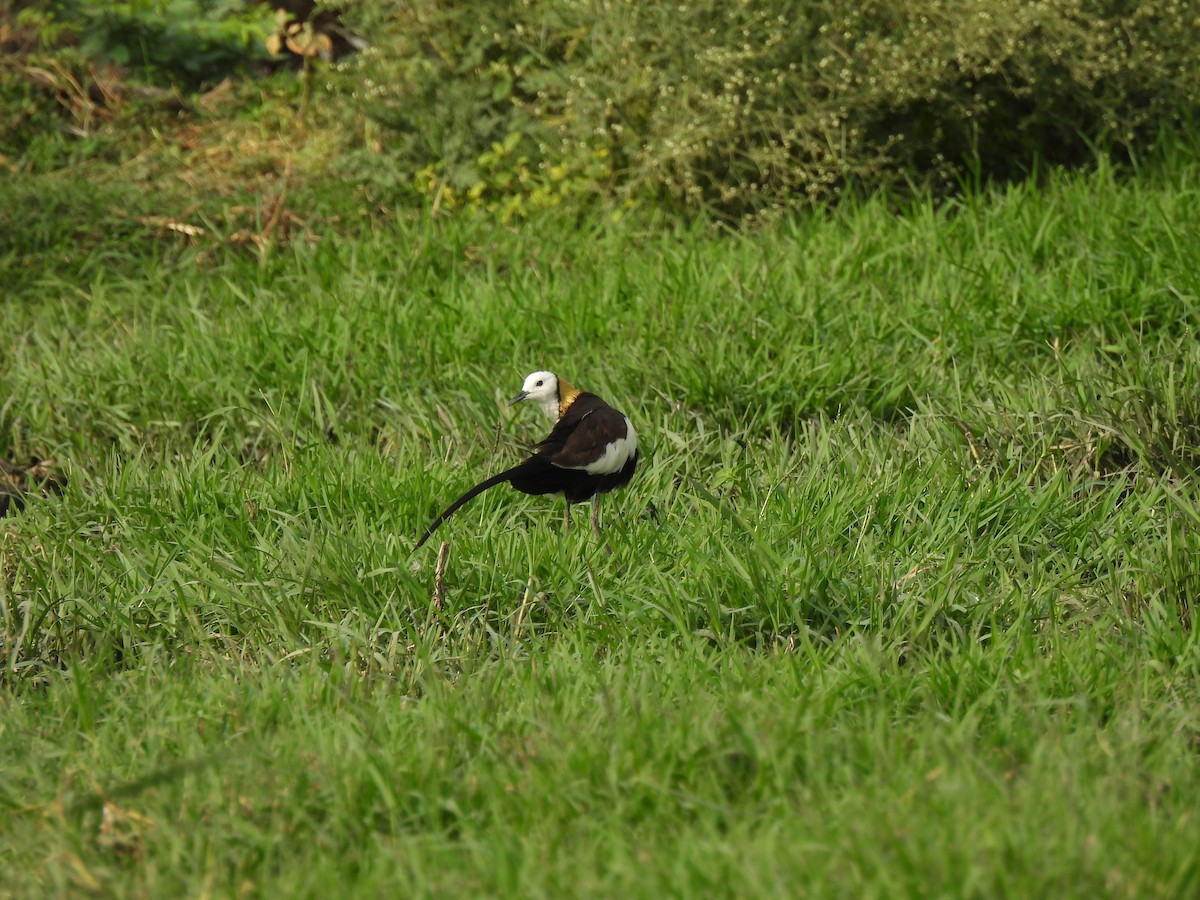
[567,393]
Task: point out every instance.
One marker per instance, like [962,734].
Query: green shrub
[185,42]
[455,83]
[746,107]
[74,62]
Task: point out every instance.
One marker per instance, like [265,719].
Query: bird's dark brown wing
[581,435]
[584,405]
[591,436]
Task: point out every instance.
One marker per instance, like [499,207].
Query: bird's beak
[517,399]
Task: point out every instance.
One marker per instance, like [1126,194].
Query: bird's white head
[542,388]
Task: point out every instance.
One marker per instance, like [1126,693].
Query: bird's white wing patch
[615,454]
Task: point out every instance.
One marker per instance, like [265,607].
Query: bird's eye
[540,383]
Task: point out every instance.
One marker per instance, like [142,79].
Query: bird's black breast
[539,476]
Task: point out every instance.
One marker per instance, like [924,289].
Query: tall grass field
[901,601]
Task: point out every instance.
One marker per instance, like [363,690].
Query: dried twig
[266,236]
[439,575]
[516,632]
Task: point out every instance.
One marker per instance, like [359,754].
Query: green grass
[901,601]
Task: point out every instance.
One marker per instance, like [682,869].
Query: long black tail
[474,492]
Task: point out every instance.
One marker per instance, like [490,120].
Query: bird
[591,450]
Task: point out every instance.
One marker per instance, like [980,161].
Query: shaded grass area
[901,602]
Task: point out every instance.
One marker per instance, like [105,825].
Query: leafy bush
[741,108]
[186,42]
[69,65]
[453,83]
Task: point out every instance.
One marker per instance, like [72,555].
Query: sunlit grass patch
[902,596]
